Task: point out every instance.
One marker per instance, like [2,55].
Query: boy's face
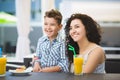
[51,27]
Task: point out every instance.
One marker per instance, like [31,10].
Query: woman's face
[77,30]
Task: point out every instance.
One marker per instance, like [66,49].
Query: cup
[3,61]
[78,63]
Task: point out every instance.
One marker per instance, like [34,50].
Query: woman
[83,33]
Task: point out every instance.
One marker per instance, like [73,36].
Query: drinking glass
[3,61]
[78,63]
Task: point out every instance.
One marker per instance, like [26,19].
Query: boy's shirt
[52,53]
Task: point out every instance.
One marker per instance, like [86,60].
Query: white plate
[19,73]
[2,75]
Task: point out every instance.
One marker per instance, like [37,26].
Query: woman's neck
[84,45]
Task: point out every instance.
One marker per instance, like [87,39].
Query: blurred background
[105,12]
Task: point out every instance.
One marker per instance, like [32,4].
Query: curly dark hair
[93,31]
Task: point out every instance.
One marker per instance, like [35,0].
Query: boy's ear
[60,26]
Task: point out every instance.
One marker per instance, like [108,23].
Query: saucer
[13,72]
[2,75]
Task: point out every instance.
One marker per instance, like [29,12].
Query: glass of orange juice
[78,63]
[3,61]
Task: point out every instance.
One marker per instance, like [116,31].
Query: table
[61,76]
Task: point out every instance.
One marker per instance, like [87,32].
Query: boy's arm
[51,69]
[36,58]
[62,63]
[62,66]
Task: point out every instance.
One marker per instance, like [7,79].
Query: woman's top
[99,69]
[52,53]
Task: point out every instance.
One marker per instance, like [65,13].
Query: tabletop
[61,76]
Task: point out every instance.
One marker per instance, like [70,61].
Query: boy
[50,48]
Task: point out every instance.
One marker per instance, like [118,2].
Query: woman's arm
[96,57]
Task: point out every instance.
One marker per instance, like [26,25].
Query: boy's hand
[36,67]
[34,58]
[51,69]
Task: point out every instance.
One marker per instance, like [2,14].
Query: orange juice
[78,62]
[3,61]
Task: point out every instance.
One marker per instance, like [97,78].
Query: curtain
[23,28]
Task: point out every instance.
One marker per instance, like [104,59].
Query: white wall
[101,11]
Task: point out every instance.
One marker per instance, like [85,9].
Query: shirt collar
[57,39]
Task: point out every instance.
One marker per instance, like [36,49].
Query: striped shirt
[52,53]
